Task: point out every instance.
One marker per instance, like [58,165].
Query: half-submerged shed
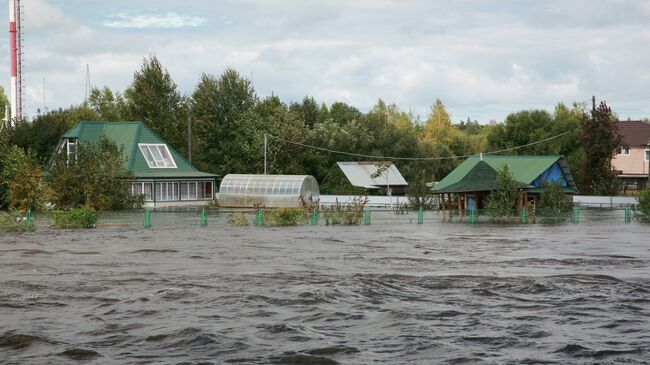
[271,191]
[474,179]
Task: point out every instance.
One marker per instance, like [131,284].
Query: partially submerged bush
[348,213]
[13,222]
[286,216]
[237,219]
[76,218]
[554,198]
[644,203]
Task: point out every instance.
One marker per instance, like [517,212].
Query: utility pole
[593,103]
[189,139]
[265,148]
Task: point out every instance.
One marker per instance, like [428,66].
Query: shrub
[643,199]
[349,213]
[76,218]
[237,219]
[286,216]
[419,194]
[553,198]
[13,222]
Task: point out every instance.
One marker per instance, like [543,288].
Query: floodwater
[385,293]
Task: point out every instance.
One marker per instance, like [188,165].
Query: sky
[483,59]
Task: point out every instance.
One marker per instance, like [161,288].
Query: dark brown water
[388,294]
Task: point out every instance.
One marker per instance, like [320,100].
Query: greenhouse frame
[270,191]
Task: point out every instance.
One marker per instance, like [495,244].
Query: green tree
[643,199]
[600,139]
[419,194]
[22,177]
[227,128]
[154,99]
[505,196]
[4,103]
[554,198]
[96,178]
[107,104]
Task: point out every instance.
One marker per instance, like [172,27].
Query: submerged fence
[202,217]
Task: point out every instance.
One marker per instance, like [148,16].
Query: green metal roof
[481,177]
[127,135]
[524,170]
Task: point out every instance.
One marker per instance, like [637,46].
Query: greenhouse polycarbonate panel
[239,190]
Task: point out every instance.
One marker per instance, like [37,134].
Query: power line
[375,157]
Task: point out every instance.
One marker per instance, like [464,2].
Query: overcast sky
[483,59]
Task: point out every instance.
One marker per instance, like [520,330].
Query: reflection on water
[385,293]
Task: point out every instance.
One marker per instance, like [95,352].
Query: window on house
[142,188]
[71,149]
[166,191]
[647,155]
[619,151]
[626,151]
[157,155]
[196,190]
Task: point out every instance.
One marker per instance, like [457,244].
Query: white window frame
[645,155]
[156,163]
[71,142]
[626,151]
[143,192]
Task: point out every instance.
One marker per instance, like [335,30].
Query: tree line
[228,122]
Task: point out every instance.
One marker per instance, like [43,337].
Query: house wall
[634,163]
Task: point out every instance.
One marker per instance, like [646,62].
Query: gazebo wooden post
[441,198]
[460,207]
[451,206]
[526,199]
[519,201]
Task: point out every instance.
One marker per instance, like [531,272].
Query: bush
[553,198]
[237,219]
[286,216]
[419,194]
[349,213]
[76,218]
[13,222]
[643,199]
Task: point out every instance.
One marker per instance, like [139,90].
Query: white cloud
[166,20]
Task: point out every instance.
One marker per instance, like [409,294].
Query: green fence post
[472,216]
[314,217]
[575,217]
[147,218]
[203,218]
[366,216]
[257,218]
[524,215]
[28,218]
[420,216]
[628,215]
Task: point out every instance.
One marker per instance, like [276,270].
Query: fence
[206,216]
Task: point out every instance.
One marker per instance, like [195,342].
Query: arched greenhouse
[271,191]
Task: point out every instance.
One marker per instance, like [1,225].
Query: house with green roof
[474,179]
[162,175]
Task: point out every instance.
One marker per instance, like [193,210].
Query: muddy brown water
[384,293]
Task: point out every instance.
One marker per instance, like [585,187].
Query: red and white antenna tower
[16,57]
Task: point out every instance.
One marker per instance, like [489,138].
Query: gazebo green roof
[476,175]
[127,135]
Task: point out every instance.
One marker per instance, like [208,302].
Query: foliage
[42,134]
[554,198]
[643,199]
[286,216]
[154,99]
[237,219]
[76,218]
[419,194]
[13,222]
[505,197]
[96,179]
[600,138]
[22,177]
[107,104]
[347,213]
